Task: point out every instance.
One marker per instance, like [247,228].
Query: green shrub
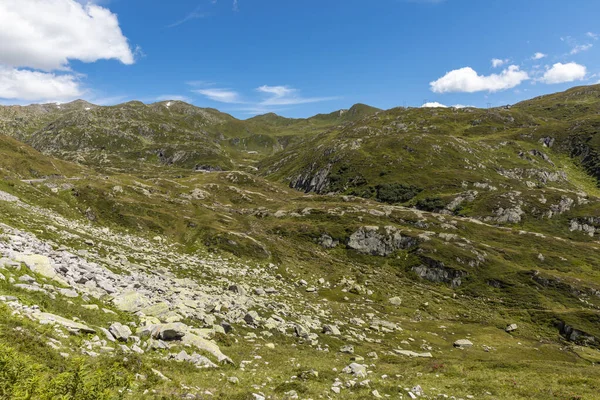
[396,192]
[431,204]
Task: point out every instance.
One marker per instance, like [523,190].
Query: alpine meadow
[221,243]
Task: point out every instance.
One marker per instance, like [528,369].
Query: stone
[226,326]
[348,349]
[26,278]
[170,332]
[395,301]
[413,354]
[109,336]
[41,265]
[68,293]
[310,374]
[252,318]
[331,330]
[511,328]
[130,302]
[137,349]
[378,241]
[463,344]
[75,327]
[418,390]
[358,370]
[301,331]
[120,332]
[237,289]
[206,345]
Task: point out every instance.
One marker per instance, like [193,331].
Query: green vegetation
[503,199]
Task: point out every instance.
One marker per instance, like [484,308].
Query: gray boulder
[120,332]
[463,344]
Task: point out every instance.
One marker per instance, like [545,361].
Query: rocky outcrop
[436,271]
[576,336]
[510,215]
[378,241]
[587,225]
[317,182]
[327,241]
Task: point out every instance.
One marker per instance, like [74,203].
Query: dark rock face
[317,182]
[576,336]
[378,241]
[436,271]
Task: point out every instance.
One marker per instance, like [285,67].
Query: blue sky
[296,58]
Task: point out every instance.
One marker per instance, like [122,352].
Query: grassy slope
[435,149]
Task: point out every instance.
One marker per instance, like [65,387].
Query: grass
[380,161]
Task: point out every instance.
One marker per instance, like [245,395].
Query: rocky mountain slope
[408,253]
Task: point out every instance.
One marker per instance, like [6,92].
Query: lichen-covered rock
[378,241]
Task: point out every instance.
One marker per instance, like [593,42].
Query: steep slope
[20,161]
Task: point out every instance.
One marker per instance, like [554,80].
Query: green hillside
[167,251]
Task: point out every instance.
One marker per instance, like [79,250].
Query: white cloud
[581,47]
[283,95]
[561,73]
[220,95]
[46,34]
[496,62]
[593,35]
[434,104]
[33,85]
[467,80]
[174,97]
[539,56]
[192,15]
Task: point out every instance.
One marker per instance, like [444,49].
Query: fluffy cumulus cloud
[538,56]
[40,37]
[467,80]
[434,104]
[496,62]
[33,85]
[46,34]
[562,73]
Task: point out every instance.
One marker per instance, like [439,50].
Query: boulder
[331,330]
[170,332]
[395,301]
[463,344]
[511,328]
[358,370]
[237,289]
[348,349]
[252,318]
[120,332]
